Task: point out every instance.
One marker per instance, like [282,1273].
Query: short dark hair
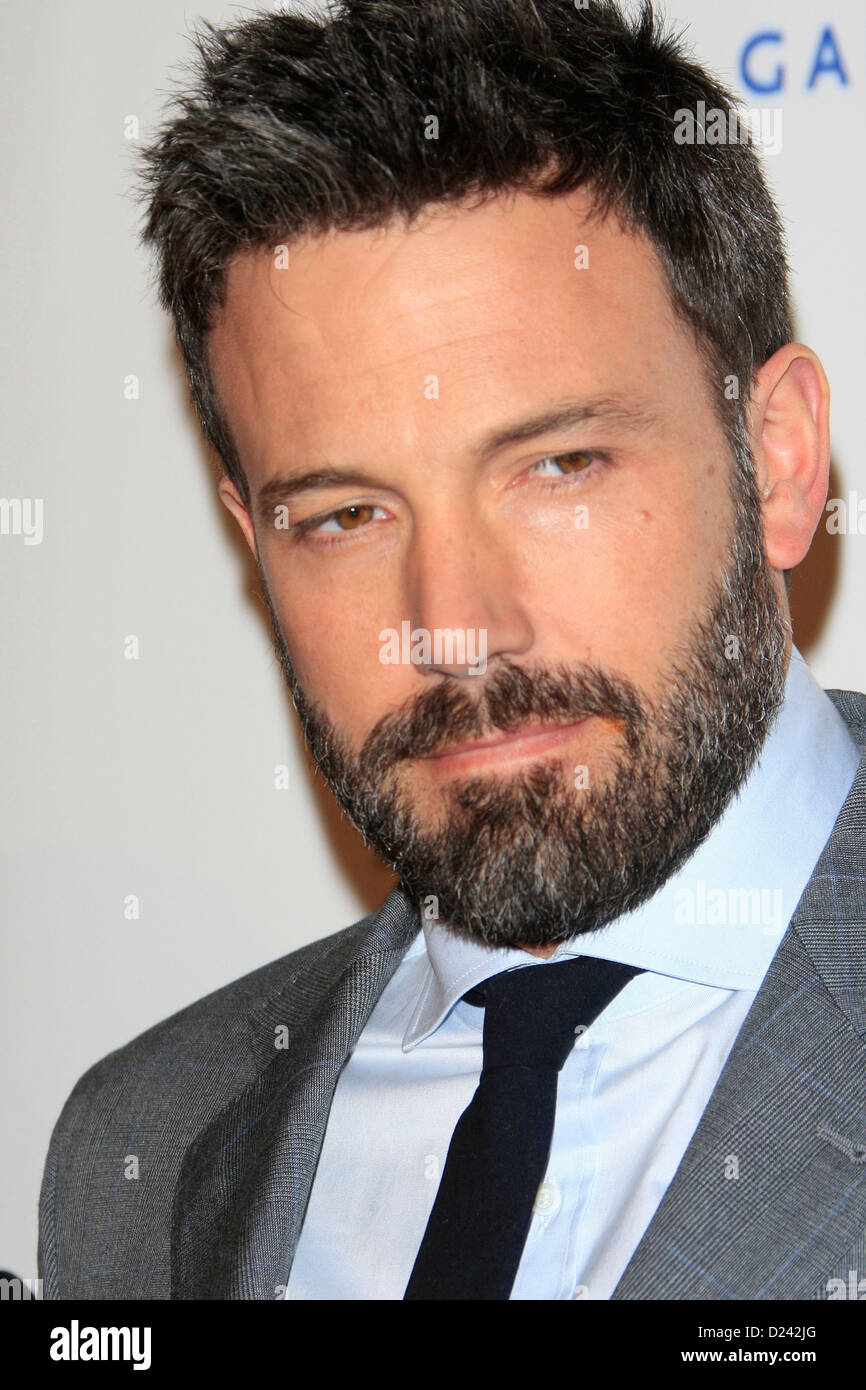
[300,124]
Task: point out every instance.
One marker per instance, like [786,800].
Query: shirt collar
[719,919]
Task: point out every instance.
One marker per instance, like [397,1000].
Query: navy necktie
[501,1143]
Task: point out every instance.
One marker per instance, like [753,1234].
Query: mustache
[509,698]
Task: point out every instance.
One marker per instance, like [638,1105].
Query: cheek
[624,587]
[335,646]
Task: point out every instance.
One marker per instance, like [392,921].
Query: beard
[537,856]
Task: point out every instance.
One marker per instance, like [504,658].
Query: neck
[543,952]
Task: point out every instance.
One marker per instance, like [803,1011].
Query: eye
[577,462]
[348,518]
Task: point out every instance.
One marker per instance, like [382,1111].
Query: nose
[465,602]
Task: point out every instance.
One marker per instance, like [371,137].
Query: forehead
[499,305]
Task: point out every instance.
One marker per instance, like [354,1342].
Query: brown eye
[573,463]
[561,465]
[347,518]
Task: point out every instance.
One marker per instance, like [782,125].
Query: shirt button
[548,1200]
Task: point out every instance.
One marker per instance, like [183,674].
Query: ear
[231,497]
[789,419]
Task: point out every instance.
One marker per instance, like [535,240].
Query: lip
[530,740]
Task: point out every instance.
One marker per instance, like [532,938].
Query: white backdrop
[155,777]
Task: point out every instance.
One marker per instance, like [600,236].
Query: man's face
[582,559]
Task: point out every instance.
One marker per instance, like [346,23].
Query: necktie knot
[533,1013]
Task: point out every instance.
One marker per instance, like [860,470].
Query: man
[502,379]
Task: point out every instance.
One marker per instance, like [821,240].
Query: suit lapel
[244,1184]
[772,1187]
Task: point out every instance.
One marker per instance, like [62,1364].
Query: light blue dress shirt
[634,1087]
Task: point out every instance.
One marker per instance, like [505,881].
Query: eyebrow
[633,416]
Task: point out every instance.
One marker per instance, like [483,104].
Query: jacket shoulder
[145,1102]
[224,1011]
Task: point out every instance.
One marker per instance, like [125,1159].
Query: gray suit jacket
[227,1127]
